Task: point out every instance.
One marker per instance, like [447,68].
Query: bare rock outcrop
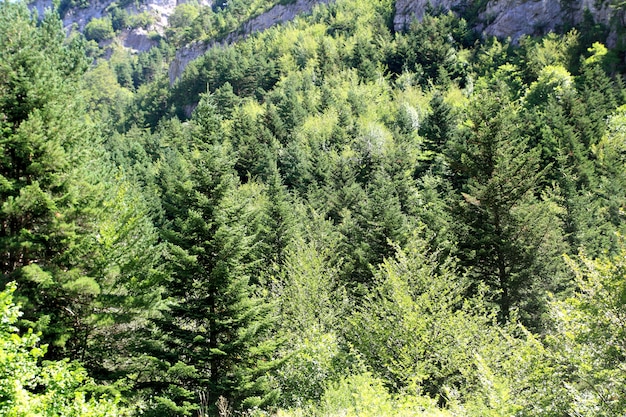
[408,10]
[511,18]
[278,14]
[137,39]
[184,56]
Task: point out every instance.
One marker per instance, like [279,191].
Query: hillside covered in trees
[326,218]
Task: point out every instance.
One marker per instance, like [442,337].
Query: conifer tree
[72,236]
[508,232]
[213,339]
[278,221]
[438,129]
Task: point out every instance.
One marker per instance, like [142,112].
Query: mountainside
[335,216]
[280,13]
[500,18]
[510,18]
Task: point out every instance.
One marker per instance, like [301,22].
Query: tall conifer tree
[508,234]
[213,334]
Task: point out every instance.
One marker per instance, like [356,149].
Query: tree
[99,29]
[73,236]
[508,228]
[430,47]
[214,339]
[44,202]
[588,341]
[371,230]
[438,129]
[278,223]
[52,388]
[416,329]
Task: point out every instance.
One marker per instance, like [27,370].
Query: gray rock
[409,10]
[137,40]
[511,18]
[516,18]
[278,14]
[184,56]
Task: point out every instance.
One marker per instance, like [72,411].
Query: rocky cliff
[135,39]
[278,14]
[511,18]
[501,18]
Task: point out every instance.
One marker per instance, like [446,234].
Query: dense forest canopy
[326,218]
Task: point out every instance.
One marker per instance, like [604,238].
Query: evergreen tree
[213,334]
[44,203]
[508,232]
[438,129]
[371,230]
[74,233]
[278,222]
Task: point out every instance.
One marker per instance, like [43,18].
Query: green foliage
[589,336]
[353,221]
[414,329]
[74,235]
[431,48]
[42,144]
[213,337]
[507,251]
[364,395]
[53,388]
[99,29]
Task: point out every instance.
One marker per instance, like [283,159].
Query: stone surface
[408,10]
[510,18]
[138,40]
[278,14]
[184,56]
[515,18]
[135,39]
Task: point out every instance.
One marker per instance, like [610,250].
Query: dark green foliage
[352,221]
[430,48]
[370,230]
[41,210]
[99,29]
[437,130]
[212,335]
[74,232]
[255,147]
[501,195]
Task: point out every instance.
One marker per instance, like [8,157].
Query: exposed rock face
[136,39]
[80,17]
[516,18]
[408,10]
[184,56]
[510,18]
[278,14]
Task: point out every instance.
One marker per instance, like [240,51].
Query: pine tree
[509,233]
[371,230]
[213,334]
[438,129]
[278,222]
[45,202]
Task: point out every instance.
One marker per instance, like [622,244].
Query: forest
[326,218]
